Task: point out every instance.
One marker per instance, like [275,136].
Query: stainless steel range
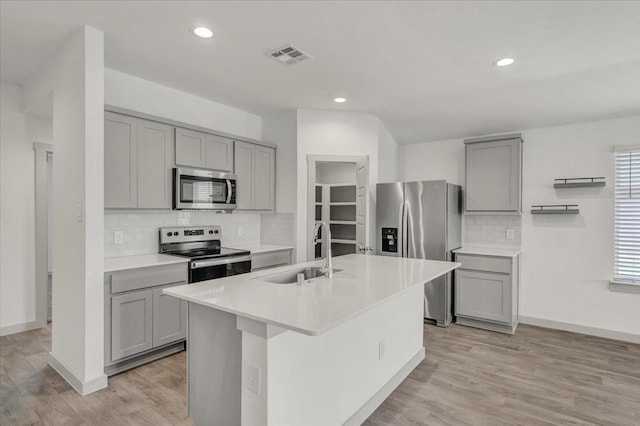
[202,245]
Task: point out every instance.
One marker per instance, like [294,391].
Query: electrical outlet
[118,237]
[240,231]
[381,349]
[510,234]
[253,378]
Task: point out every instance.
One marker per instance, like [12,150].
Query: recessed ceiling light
[504,62]
[340,100]
[203,32]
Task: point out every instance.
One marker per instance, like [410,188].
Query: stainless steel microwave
[201,189]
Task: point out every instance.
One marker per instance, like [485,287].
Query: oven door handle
[196,264]
[228,191]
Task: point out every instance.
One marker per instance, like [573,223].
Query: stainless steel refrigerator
[422,220]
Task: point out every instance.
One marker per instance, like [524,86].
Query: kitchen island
[327,352]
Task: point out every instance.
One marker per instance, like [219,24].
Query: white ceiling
[425,68]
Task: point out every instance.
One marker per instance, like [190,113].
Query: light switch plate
[253,378]
[240,230]
[118,237]
[510,234]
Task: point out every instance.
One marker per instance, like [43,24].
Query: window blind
[627,215]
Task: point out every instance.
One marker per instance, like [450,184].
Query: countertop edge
[489,251]
[308,332]
[145,264]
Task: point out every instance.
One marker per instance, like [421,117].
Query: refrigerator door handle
[405,230]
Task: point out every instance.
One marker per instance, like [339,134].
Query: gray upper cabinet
[218,153]
[255,168]
[494,175]
[120,161]
[131,322]
[265,177]
[199,149]
[169,318]
[155,146]
[137,163]
[190,147]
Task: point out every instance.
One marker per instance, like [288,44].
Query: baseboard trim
[582,329]
[83,388]
[370,406]
[19,328]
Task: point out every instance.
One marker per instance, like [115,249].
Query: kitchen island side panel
[214,354]
[326,379]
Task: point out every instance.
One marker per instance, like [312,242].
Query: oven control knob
[216,231]
[175,234]
[210,232]
[169,234]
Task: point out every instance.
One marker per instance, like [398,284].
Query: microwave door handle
[228,191]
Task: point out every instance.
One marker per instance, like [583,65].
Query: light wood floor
[470,377]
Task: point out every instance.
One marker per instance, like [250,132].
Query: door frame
[312,161]
[41,152]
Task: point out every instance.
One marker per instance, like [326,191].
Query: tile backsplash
[141,229]
[491,230]
[277,228]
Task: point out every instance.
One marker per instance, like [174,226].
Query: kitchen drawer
[270,259]
[134,279]
[484,263]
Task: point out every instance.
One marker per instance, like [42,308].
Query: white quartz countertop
[489,251]
[320,304]
[112,264]
[260,248]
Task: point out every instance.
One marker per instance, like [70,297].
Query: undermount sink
[291,277]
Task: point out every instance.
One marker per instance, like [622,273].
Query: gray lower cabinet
[486,292]
[169,318]
[483,295]
[493,175]
[199,149]
[138,155]
[131,323]
[141,323]
[255,168]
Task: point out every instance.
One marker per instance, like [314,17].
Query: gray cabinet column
[120,160]
[155,143]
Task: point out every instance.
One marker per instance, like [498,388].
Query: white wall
[75,76]
[140,95]
[17,230]
[567,260]
[323,132]
[432,161]
[388,155]
[18,131]
[336,173]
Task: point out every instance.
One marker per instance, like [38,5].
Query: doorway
[338,194]
[44,226]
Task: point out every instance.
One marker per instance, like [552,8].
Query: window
[626,256]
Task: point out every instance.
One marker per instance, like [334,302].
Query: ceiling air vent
[288,55]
